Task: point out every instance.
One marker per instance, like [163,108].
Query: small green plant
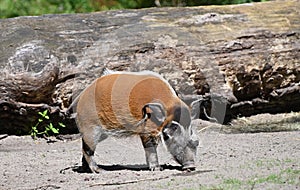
[47,127]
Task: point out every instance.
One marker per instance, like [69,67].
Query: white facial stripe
[176,123]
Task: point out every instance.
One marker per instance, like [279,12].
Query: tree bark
[24,95]
[245,58]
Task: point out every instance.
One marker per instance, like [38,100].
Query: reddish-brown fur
[120,98]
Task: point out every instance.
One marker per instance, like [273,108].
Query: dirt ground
[225,161]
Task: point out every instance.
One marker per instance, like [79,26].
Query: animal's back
[120,98]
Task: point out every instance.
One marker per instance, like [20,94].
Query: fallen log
[23,95]
[244,57]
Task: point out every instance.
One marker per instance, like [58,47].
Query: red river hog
[123,104]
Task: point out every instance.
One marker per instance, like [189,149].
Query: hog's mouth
[189,166]
[186,166]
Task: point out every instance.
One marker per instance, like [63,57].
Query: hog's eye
[174,125]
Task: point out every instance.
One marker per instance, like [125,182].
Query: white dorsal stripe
[107,71]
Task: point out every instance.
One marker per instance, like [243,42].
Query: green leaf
[33,132]
[40,120]
[61,124]
[50,125]
[53,129]
[45,112]
[34,129]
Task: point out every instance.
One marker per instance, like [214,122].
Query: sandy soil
[225,161]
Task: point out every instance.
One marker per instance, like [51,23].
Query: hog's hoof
[156,168]
[95,169]
[89,170]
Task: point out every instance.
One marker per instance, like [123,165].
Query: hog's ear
[156,112]
[195,108]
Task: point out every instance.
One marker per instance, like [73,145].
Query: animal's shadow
[117,167]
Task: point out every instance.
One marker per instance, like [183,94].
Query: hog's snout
[189,166]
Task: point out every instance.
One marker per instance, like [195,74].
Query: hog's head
[177,133]
[181,139]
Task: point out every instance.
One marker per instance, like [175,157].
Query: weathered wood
[23,95]
[23,87]
[246,56]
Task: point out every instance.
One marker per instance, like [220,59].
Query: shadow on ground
[117,167]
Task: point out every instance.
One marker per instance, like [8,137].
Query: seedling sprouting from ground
[47,128]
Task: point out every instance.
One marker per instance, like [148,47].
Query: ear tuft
[195,108]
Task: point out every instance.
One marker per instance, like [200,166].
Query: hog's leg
[150,145]
[89,142]
[88,163]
